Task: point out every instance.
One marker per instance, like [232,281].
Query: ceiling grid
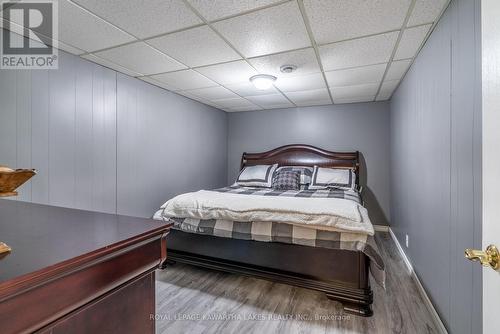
[346,51]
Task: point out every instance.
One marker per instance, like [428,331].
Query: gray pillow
[286,180]
[305,173]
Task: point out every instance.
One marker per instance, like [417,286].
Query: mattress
[284,232]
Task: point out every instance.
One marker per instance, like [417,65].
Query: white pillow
[257,176]
[323,178]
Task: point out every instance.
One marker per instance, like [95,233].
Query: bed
[336,262]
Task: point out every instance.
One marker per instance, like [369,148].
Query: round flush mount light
[288,68]
[262,81]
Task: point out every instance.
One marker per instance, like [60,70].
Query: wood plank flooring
[196,300]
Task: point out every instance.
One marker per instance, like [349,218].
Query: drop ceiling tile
[184,80]
[237,102]
[187,94]
[426,11]
[336,20]
[86,31]
[69,48]
[111,65]
[213,10]
[238,109]
[356,76]
[248,89]
[305,60]
[351,92]
[382,97]
[398,69]
[411,41]
[278,106]
[195,47]
[19,30]
[211,104]
[228,73]
[140,57]
[358,52]
[266,31]
[156,83]
[198,99]
[78,29]
[314,97]
[270,101]
[143,18]
[355,99]
[303,82]
[387,89]
[213,93]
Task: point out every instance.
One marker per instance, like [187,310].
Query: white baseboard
[407,262]
[421,290]
[381,228]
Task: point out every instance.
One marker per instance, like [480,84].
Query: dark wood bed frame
[341,274]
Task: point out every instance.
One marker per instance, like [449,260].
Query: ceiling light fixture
[263,81]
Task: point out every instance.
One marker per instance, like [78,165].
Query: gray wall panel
[84,141]
[8,117]
[104,140]
[127,146]
[465,111]
[62,133]
[363,127]
[434,117]
[167,145]
[40,135]
[23,126]
[423,138]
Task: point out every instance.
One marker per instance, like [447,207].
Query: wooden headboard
[303,155]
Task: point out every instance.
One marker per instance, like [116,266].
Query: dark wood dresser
[74,271]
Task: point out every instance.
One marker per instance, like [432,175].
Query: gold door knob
[488,258]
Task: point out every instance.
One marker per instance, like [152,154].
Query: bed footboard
[342,275]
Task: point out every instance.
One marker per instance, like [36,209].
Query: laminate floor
[195,300]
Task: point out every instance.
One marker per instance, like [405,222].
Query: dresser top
[44,236]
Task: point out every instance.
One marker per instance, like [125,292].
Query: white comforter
[320,213]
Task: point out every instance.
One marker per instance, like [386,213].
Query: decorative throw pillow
[305,173]
[287,180]
[257,176]
[341,178]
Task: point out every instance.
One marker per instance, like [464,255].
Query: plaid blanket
[286,233]
[320,193]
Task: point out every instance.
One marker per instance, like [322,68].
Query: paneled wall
[167,145]
[63,123]
[436,165]
[106,142]
[348,127]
